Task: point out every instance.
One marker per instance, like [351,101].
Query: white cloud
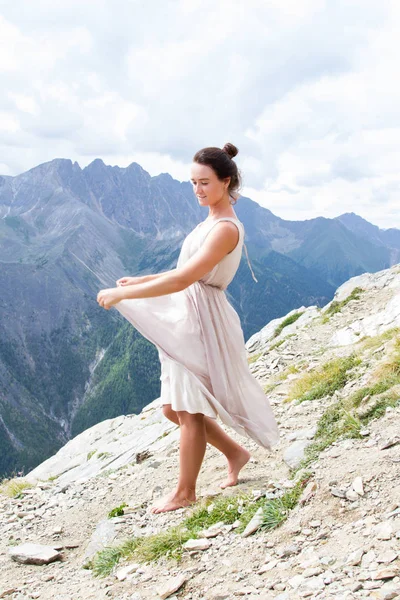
[307,89]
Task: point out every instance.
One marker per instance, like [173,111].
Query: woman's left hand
[107,298]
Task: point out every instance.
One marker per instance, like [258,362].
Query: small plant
[13,488]
[325,380]
[336,306]
[372,343]
[104,455]
[288,321]
[104,561]
[90,454]
[252,359]
[118,511]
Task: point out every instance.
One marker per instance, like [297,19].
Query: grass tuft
[118,511]
[372,343]
[323,381]
[253,358]
[336,306]
[13,488]
[288,321]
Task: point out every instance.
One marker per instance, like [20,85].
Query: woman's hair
[223,166]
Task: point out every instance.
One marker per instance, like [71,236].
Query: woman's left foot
[173,501]
[235,465]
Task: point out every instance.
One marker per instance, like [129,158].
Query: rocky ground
[343,542]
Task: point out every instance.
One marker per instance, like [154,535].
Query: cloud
[305,88]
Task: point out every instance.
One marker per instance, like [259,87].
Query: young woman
[186,314]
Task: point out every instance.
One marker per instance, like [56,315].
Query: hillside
[328,497]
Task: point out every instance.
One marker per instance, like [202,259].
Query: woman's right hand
[128,281]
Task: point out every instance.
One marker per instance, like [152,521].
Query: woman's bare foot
[173,501]
[235,465]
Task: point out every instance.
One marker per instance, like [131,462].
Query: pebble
[200,544]
[171,586]
[384,531]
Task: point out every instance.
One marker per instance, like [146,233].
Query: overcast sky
[309,90]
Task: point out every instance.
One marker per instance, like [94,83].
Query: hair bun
[230,150]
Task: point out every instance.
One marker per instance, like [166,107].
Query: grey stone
[104,534]
[171,586]
[34,554]
[295,453]
[255,523]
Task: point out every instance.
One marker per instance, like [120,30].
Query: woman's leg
[236,455]
[192,448]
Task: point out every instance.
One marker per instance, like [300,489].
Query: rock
[384,531]
[311,586]
[351,495]
[171,586]
[212,531]
[312,572]
[389,443]
[302,434]
[255,523]
[296,581]
[201,544]
[358,486]
[386,573]
[123,573]
[387,557]
[295,453]
[268,567]
[104,534]
[315,524]
[142,456]
[8,592]
[335,491]
[354,558]
[34,554]
[308,492]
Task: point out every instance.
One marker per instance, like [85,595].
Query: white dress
[200,341]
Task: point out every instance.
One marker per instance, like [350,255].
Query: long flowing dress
[200,342]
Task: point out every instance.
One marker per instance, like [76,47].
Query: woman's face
[206,185]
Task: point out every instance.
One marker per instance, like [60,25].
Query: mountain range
[65,232]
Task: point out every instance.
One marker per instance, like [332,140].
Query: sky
[308,90]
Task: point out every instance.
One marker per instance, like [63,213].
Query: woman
[186,314]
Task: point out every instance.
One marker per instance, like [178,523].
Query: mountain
[388,238]
[65,232]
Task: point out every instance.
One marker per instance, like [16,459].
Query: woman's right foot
[235,465]
[173,501]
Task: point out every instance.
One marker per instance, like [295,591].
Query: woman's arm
[221,240]
[142,279]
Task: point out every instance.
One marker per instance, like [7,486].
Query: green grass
[90,454]
[323,381]
[13,488]
[104,455]
[118,511]
[253,358]
[346,417]
[288,321]
[226,509]
[336,306]
[372,343]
